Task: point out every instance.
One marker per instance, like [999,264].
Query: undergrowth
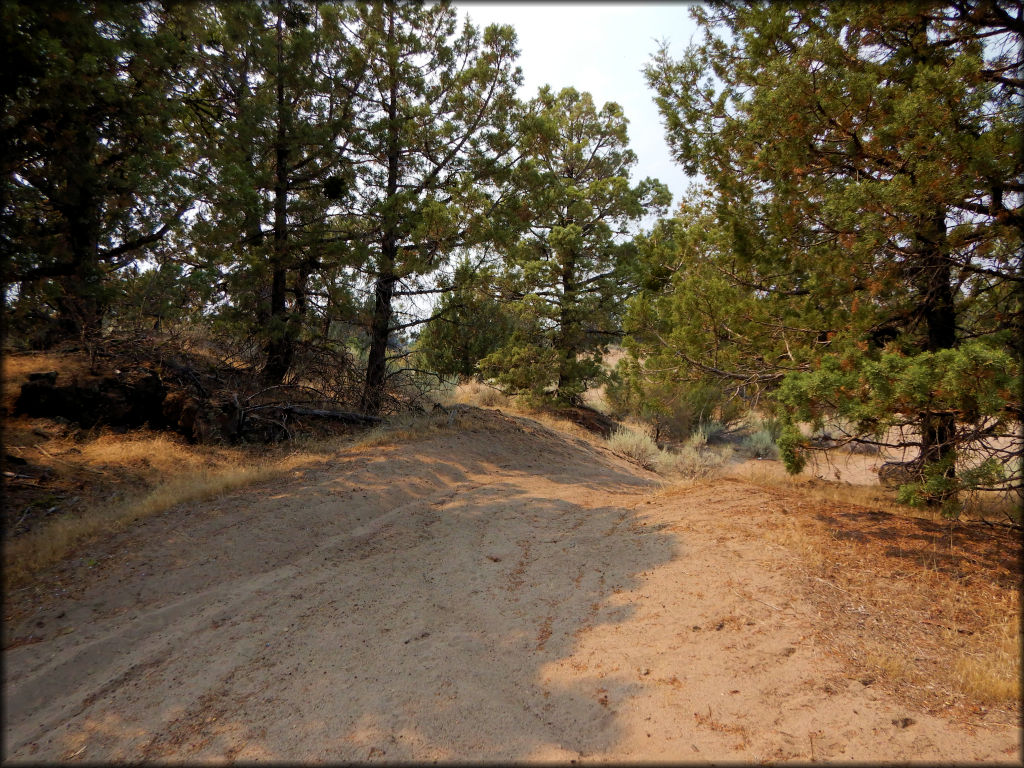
[695,459]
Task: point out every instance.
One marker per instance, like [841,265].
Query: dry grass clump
[991,674]
[694,460]
[635,446]
[929,608]
[481,395]
[153,453]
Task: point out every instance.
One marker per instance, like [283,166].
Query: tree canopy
[430,145]
[863,178]
[93,171]
[274,93]
[565,272]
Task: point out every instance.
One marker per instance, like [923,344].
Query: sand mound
[494,591]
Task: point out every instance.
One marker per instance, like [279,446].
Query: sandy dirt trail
[495,592]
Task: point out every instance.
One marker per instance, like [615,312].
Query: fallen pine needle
[750,597]
[829,583]
[64,461]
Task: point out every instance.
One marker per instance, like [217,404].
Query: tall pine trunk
[934,282]
[380,332]
[280,346]
[567,341]
[80,306]
[384,286]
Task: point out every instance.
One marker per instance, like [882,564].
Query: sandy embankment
[496,592]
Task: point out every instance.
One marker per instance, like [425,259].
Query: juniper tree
[470,323]
[865,173]
[565,273]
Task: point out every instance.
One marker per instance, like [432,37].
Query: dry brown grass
[992,674]
[151,453]
[771,474]
[56,539]
[478,394]
[138,476]
[864,490]
[930,608]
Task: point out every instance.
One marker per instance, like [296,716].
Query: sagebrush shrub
[638,446]
[761,444]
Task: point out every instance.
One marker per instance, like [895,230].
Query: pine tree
[273,116]
[431,142]
[92,174]
[577,210]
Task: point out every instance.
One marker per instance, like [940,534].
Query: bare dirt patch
[496,590]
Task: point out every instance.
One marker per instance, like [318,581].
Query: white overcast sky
[599,47]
